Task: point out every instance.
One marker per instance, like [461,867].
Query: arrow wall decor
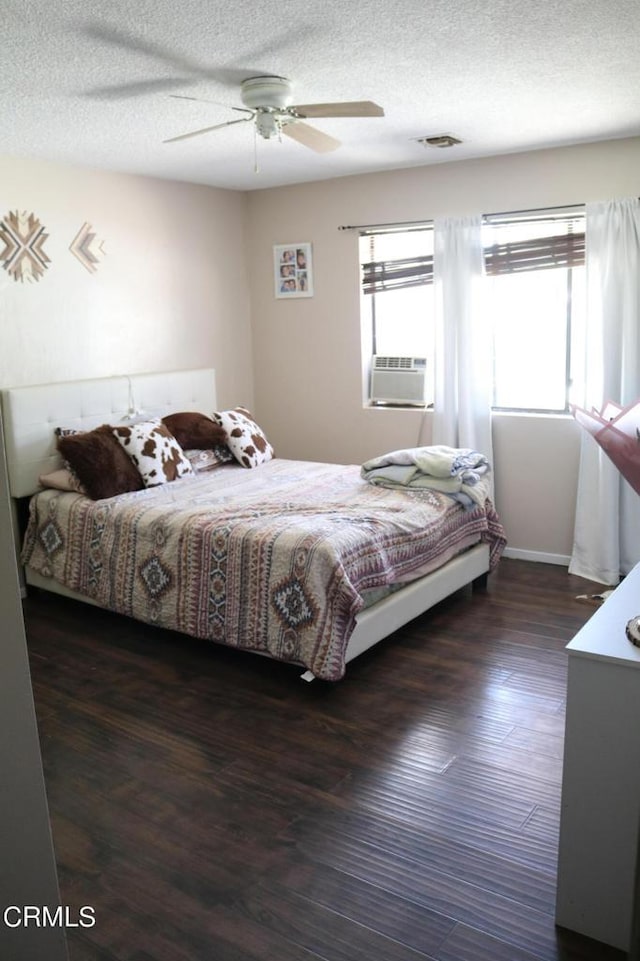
[87,248]
[22,254]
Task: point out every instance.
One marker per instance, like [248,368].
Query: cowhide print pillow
[246,441]
[155,452]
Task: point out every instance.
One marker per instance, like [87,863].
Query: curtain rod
[421,223]
[400,223]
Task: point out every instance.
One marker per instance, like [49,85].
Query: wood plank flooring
[211,806]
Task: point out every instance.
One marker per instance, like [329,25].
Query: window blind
[538,241]
[540,253]
[398,258]
[534,243]
[379,275]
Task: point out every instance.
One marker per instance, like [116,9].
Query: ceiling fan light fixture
[267,124]
[442,141]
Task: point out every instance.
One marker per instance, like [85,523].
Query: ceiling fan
[267,102]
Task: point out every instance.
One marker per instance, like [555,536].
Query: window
[397,296]
[535,292]
[536,298]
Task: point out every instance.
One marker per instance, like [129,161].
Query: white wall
[308,351]
[171,291]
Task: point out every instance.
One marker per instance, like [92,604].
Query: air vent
[442,140]
[380,362]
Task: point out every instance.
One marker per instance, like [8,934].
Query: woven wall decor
[87,248]
[22,237]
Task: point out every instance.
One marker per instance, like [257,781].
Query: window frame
[557,250]
[385,275]
[566,251]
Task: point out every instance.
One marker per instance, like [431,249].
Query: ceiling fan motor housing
[273,93]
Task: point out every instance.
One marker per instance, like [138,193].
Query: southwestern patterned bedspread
[275,559]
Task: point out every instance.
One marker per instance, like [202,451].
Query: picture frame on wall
[293,270]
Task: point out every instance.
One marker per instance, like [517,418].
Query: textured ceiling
[88,82]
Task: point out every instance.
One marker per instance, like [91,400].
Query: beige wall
[308,351]
[187,280]
[171,291]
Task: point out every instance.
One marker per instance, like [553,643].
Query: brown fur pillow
[195,431]
[103,467]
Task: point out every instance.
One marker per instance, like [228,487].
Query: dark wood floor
[211,806]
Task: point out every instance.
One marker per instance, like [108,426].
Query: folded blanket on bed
[454,471]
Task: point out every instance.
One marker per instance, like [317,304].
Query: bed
[302,562]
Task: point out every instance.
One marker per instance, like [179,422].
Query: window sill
[546,414]
[415,407]
[496,414]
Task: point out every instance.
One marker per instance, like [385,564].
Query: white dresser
[600,811]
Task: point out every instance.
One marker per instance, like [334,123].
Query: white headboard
[30,414]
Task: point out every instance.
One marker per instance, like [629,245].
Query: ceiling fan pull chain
[256,168]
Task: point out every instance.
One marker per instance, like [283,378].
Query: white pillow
[154,451]
[204,460]
[245,440]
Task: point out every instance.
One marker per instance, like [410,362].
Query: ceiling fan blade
[184,96]
[310,137]
[232,74]
[120,38]
[218,103]
[124,90]
[196,133]
[353,108]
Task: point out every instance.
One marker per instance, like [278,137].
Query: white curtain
[607,524]
[463,366]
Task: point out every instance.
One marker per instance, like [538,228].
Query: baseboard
[540,557]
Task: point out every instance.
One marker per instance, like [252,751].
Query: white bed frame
[30,415]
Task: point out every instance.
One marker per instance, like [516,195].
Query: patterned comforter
[277,559]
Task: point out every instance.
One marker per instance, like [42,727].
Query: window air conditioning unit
[398,380]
